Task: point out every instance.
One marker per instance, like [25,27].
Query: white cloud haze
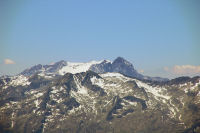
[189,70]
[8,61]
[141,71]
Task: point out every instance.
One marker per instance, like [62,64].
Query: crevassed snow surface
[73,67]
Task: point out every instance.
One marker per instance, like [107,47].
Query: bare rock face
[88,102]
[119,65]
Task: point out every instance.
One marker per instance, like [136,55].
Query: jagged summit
[121,60]
[125,67]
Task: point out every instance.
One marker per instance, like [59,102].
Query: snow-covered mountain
[59,68]
[119,65]
[90,102]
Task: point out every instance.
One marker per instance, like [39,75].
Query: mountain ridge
[118,65]
[91,102]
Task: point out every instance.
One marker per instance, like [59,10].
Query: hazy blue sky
[160,38]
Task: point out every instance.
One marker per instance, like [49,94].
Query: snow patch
[12,119]
[19,80]
[195,86]
[37,103]
[60,100]
[126,103]
[98,82]
[38,94]
[54,91]
[46,75]
[116,75]
[154,90]
[112,75]
[81,89]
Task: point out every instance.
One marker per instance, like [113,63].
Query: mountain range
[97,97]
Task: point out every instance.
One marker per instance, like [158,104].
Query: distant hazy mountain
[119,65]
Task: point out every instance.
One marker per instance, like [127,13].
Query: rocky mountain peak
[121,61]
[125,67]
